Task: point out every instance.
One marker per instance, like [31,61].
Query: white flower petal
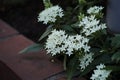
[100,73]
[94,10]
[50,14]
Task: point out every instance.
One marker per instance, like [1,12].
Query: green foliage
[116,56]
[100,59]
[116,41]
[68,29]
[47,3]
[72,67]
[46,33]
[32,48]
[104,46]
[113,68]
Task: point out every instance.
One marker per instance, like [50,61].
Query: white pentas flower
[59,42]
[90,25]
[76,43]
[100,73]
[94,9]
[86,60]
[55,42]
[101,66]
[50,14]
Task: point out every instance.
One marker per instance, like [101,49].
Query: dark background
[22,15]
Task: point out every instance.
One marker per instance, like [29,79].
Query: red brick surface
[6,73]
[6,30]
[33,66]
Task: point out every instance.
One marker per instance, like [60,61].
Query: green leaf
[67,28]
[72,67]
[32,48]
[96,51]
[46,33]
[75,25]
[116,56]
[113,68]
[116,41]
[104,31]
[47,3]
[101,59]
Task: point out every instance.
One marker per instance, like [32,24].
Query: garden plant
[78,34]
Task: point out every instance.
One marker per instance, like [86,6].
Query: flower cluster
[77,43]
[59,42]
[50,14]
[55,42]
[94,10]
[90,25]
[86,60]
[100,73]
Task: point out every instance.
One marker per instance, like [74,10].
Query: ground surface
[35,66]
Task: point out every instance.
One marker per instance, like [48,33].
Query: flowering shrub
[79,33]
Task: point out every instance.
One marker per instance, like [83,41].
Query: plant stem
[64,63]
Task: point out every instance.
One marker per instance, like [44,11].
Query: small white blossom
[94,10]
[100,73]
[77,43]
[101,66]
[50,14]
[102,26]
[55,42]
[90,25]
[86,60]
[58,42]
